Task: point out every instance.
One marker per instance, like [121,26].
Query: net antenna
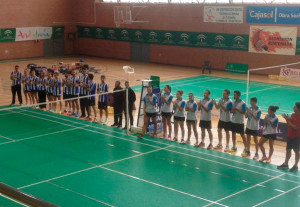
[124,14]
[274,73]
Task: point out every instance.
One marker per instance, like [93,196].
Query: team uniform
[225,116]
[92,99]
[34,84]
[26,84]
[57,87]
[42,91]
[66,89]
[83,92]
[237,122]
[74,90]
[103,99]
[269,131]
[151,110]
[179,115]
[166,110]
[50,83]
[16,86]
[205,118]
[191,117]
[253,125]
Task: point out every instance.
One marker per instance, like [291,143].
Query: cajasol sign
[273,15]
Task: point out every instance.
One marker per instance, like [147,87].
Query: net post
[127,112]
[248,82]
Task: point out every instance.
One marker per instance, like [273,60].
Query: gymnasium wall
[34,13]
[171,17]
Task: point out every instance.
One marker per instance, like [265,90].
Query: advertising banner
[273,15]
[33,33]
[273,40]
[223,14]
[290,73]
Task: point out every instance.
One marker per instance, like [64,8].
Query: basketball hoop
[122,15]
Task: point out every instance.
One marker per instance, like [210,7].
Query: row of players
[232,116]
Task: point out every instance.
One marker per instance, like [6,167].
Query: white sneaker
[106,122]
[227,149]
[101,121]
[182,141]
[218,147]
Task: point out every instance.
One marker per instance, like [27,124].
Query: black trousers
[42,99]
[130,108]
[16,89]
[118,112]
[84,106]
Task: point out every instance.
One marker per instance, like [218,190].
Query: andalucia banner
[31,33]
[273,40]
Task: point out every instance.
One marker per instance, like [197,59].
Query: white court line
[259,204]
[104,129]
[197,82]
[13,200]
[265,89]
[162,186]
[97,132]
[254,186]
[175,152]
[41,135]
[87,169]
[81,194]
[6,138]
[196,78]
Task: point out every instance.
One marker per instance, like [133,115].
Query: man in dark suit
[131,100]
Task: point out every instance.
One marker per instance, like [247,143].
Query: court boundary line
[81,194]
[281,194]
[13,200]
[162,186]
[41,135]
[246,189]
[90,168]
[101,166]
[150,141]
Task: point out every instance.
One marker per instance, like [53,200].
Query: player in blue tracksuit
[92,89]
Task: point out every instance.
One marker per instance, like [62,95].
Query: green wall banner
[177,38]
[237,68]
[9,34]
[188,39]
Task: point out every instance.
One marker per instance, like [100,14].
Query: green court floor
[267,94]
[71,162]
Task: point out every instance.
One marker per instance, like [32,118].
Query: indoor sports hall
[132,103]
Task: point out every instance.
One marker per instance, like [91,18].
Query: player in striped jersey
[34,87]
[270,133]
[26,86]
[16,81]
[66,93]
[92,89]
[74,87]
[57,92]
[42,89]
[253,114]
[103,87]
[179,115]
[50,84]
[167,111]
[191,118]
